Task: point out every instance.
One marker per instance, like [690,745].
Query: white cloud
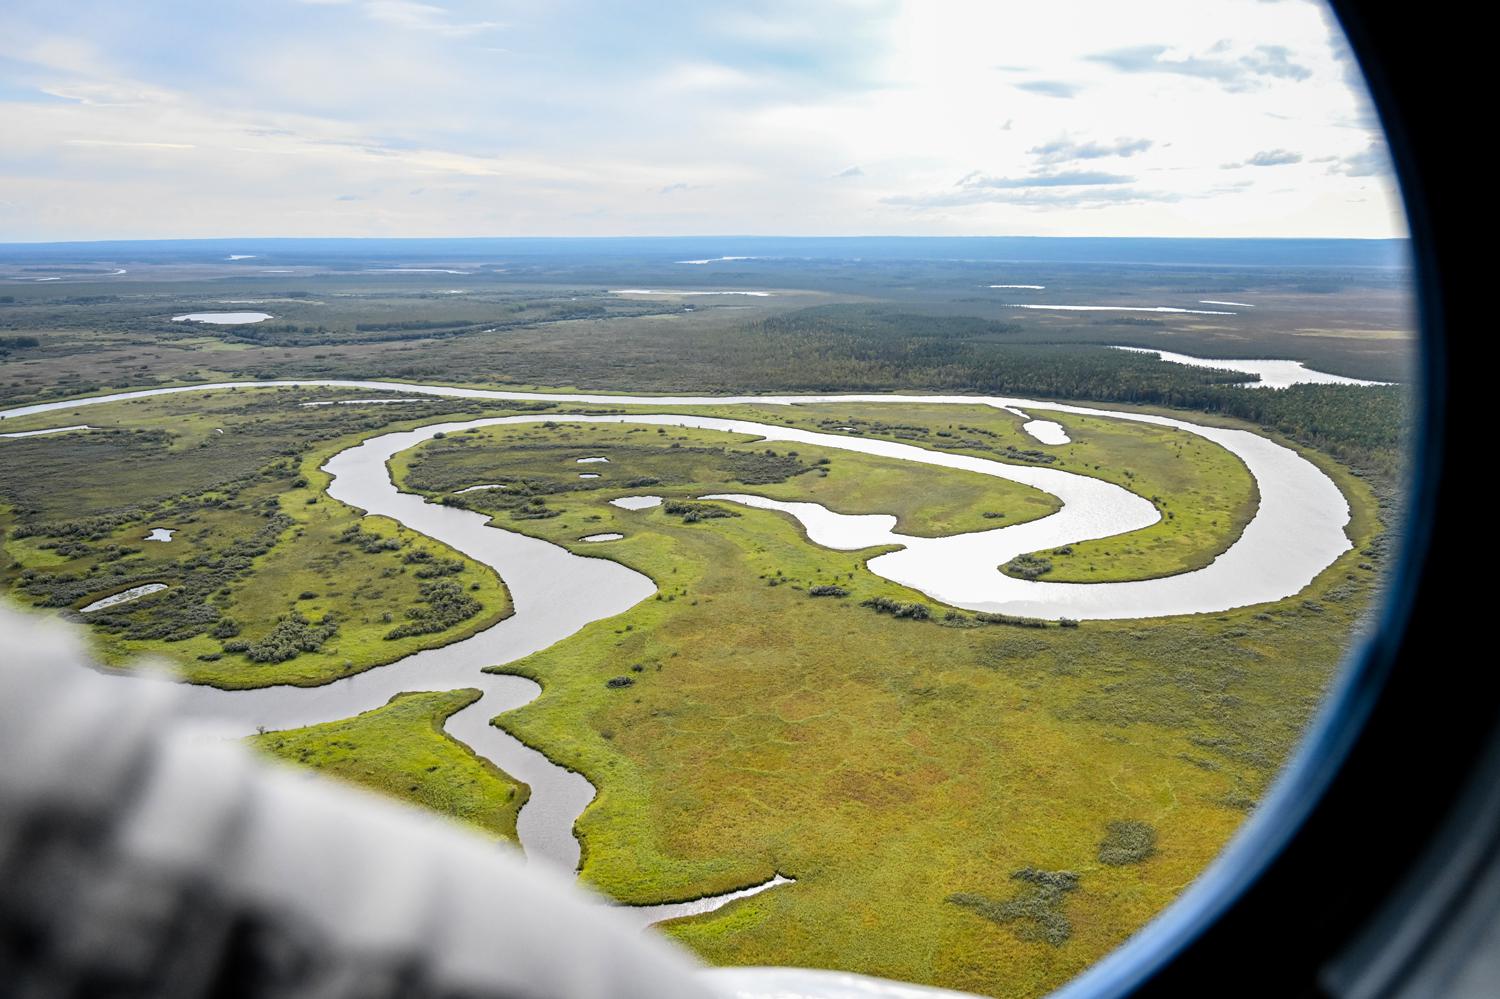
[122,144]
[1081,116]
[1067,150]
[1267,158]
[1050,88]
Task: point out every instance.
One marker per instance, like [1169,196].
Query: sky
[160,119]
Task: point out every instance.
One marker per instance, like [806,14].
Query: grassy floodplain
[269,580]
[401,750]
[929,782]
[949,793]
[925,501]
[980,805]
[1204,493]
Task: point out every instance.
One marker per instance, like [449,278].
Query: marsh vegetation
[1024,735]
[994,801]
[267,580]
[400,750]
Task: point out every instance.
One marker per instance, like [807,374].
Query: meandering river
[1296,532]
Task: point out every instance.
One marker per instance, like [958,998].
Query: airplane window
[681,499]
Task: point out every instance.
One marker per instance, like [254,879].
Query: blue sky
[395,117]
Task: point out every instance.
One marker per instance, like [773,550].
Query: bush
[1127,843]
[441,567]
[367,542]
[1028,566]
[1036,906]
[292,636]
[691,513]
[827,590]
[446,605]
[885,605]
[1012,620]
[761,469]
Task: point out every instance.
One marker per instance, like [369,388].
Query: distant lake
[223,318]
[659,291]
[1273,374]
[1120,308]
[417,270]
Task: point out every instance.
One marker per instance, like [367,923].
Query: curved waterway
[1297,531]
[1273,374]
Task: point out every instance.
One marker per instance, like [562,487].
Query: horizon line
[696,236]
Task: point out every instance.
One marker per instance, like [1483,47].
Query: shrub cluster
[174,615]
[433,567]
[446,604]
[292,636]
[1013,620]
[366,541]
[885,605]
[1028,566]
[764,467]
[691,513]
[1127,843]
[1036,907]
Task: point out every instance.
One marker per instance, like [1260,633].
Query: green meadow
[927,780]
[1204,493]
[400,750]
[269,580]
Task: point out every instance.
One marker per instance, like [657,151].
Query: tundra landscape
[930,609]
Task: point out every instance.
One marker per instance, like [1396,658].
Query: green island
[402,751]
[1204,493]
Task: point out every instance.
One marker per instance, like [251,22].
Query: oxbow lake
[223,318]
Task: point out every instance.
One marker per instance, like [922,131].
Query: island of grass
[401,750]
[686,463]
[1204,493]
